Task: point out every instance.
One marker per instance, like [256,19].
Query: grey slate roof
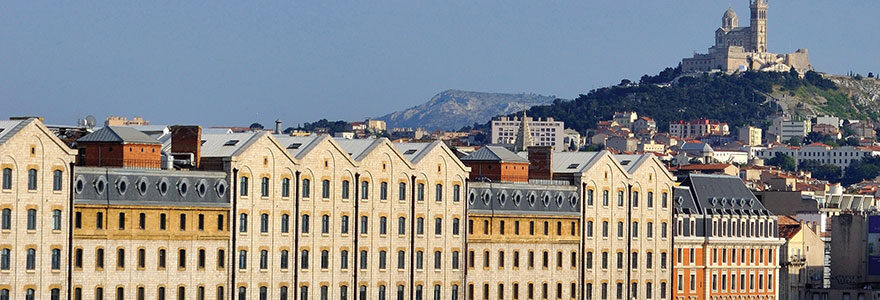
[296,145]
[355,148]
[9,128]
[145,187]
[523,198]
[411,150]
[494,153]
[118,134]
[683,201]
[696,147]
[572,162]
[723,194]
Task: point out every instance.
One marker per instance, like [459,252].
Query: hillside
[738,99]
[453,109]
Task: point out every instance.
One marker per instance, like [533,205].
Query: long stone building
[195,215]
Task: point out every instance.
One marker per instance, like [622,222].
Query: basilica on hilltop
[745,48]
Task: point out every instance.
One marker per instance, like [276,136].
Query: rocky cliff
[453,109]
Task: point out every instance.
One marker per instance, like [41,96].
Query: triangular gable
[378,143]
[254,138]
[45,130]
[605,153]
[445,150]
[322,138]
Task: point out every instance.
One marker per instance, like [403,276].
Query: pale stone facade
[132,240]
[745,48]
[34,234]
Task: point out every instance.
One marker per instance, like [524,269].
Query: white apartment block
[545,132]
[824,154]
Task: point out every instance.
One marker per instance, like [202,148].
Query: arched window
[32,179]
[305,187]
[57,180]
[6,219]
[7,178]
[264,187]
[56,259]
[325,189]
[285,187]
[264,259]
[31,260]
[244,186]
[365,189]
[305,224]
[345,189]
[325,224]
[242,224]
[264,223]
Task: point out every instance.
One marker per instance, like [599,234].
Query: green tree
[783,161]
[795,141]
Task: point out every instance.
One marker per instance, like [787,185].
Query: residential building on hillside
[821,153]
[784,129]
[750,135]
[544,132]
[698,128]
[726,242]
[863,129]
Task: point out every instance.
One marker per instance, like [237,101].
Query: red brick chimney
[187,139]
[540,162]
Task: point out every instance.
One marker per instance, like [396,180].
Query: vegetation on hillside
[737,99]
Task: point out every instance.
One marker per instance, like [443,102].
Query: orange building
[497,164]
[114,146]
[726,242]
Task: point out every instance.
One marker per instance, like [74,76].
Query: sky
[217,63]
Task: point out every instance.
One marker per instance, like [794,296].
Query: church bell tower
[759,25]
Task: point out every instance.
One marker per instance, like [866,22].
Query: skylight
[231,143]
[410,151]
[625,162]
[573,166]
[294,146]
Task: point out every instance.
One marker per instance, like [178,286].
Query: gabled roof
[225,145]
[494,153]
[9,128]
[411,150]
[356,147]
[118,134]
[296,145]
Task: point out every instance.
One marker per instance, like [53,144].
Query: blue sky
[236,62]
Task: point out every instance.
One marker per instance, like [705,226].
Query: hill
[453,109]
[738,99]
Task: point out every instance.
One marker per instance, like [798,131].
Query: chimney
[187,139]
[278,126]
[540,162]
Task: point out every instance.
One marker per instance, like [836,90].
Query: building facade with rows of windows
[261,216]
[727,243]
[34,211]
[585,225]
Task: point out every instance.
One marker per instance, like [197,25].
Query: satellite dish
[90,121]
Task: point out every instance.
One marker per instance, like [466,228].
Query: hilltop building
[745,48]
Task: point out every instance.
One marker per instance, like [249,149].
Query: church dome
[729,20]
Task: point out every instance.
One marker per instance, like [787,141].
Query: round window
[220,188]
[502,198]
[100,185]
[546,201]
[183,187]
[123,187]
[80,184]
[471,199]
[574,200]
[532,200]
[201,188]
[559,201]
[517,199]
[163,186]
[142,186]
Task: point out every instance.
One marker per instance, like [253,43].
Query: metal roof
[355,148]
[8,128]
[118,134]
[572,162]
[411,150]
[296,145]
[494,153]
[224,145]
